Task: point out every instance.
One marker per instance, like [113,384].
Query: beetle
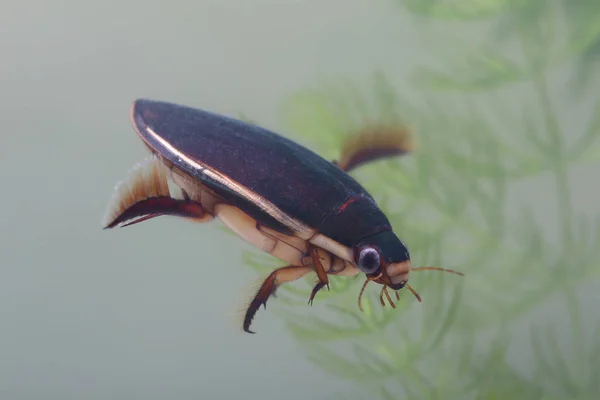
[274,193]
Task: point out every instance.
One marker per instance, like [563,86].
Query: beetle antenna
[363,288]
[387,295]
[436,269]
[361,293]
[413,292]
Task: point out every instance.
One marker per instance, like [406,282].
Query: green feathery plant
[498,124]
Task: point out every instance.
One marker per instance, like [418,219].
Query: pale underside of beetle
[150,180]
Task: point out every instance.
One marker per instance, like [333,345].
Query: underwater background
[504,100]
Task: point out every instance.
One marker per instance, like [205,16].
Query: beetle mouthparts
[398,272]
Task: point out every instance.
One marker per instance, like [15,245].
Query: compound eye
[369,260]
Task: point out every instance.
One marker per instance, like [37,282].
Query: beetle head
[384,259]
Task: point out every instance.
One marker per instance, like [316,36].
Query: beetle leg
[145,194]
[374,143]
[321,274]
[157,206]
[315,290]
[268,287]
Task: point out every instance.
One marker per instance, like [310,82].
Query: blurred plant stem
[553,129]
[563,191]
[449,201]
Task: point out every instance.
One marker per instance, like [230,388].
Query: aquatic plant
[488,192]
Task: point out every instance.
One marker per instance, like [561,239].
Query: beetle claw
[315,290]
[268,288]
[321,274]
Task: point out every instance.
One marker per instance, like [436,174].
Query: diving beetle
[271,191]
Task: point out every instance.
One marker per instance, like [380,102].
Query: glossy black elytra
[274,193]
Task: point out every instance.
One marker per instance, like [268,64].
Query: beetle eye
[368,260]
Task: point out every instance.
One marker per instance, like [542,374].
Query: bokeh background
[503,98]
